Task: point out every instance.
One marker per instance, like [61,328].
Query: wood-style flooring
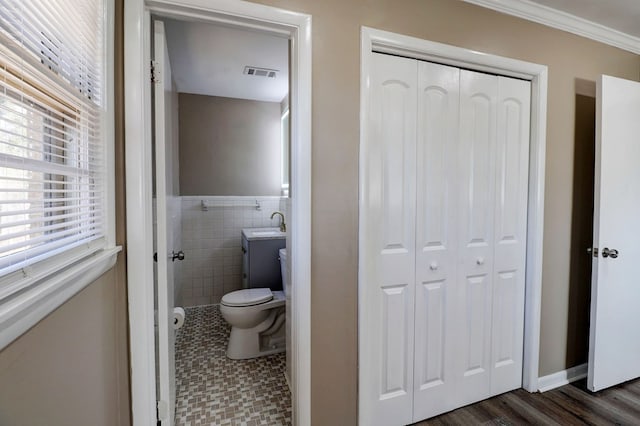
[572,404]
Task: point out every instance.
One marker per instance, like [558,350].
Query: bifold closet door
[510,233]
[436,239]
[442,239]
[388,244]
[492,205]
[472,183]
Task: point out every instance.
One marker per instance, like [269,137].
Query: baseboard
[286,378]
[561,378]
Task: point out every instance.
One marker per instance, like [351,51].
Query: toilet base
[267,338]
[243,355]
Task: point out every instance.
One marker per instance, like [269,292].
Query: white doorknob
[480,261]
[433,266]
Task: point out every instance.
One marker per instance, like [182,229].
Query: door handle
[179,255]
[612,253]
[173,256]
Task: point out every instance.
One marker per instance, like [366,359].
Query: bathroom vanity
[260,264]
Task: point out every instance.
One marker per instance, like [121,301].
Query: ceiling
[208,59]
[620,15]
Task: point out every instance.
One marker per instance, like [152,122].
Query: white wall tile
[212,239]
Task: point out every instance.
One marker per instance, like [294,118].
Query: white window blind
[52,152]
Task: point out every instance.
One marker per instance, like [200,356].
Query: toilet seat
[247,297]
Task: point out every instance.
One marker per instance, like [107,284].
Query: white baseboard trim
[286,378]
[561,378]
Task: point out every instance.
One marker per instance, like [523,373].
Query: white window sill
[22,312]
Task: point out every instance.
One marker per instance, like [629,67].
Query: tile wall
[211,242]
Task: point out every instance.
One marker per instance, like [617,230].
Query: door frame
[373,40]
[139,179]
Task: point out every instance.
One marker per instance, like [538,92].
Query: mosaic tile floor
[214,390]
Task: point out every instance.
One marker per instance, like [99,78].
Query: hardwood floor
[572,404]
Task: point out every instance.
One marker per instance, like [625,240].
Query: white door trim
[373,40]
[297,27]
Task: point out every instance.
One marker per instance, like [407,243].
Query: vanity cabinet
[260,260]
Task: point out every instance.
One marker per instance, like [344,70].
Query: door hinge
[162,410]
[155,72]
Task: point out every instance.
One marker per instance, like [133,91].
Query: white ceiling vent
[260,72]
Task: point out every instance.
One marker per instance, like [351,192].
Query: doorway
[259,18]
[582,224]
[403,386]
[218,148]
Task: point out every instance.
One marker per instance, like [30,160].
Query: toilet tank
[282,254]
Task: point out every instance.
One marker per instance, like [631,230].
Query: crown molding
[563,21]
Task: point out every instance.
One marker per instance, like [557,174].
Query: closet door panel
[476,198]
[512,171]
[438,116]
[388,240]
[477,299]
[396,324]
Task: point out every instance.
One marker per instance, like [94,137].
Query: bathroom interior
[226,121]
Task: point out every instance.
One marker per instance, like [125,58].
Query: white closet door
[435,331]
[388,198]
[476,200]
[443,239]
[510,233]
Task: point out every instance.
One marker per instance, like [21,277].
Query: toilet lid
[247,297]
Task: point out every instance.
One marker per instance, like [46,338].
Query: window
[285,148]
[55,167]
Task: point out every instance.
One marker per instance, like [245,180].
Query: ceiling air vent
[260,72]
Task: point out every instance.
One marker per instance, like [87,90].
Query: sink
[263,233]
[266,233]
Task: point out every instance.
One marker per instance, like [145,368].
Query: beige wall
[336,80]
[229,146]
[72,367]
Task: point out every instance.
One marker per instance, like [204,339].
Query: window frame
[33,292]
[285,152]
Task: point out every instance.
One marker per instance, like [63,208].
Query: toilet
[256,317]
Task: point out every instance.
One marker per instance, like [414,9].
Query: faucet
[283,226]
